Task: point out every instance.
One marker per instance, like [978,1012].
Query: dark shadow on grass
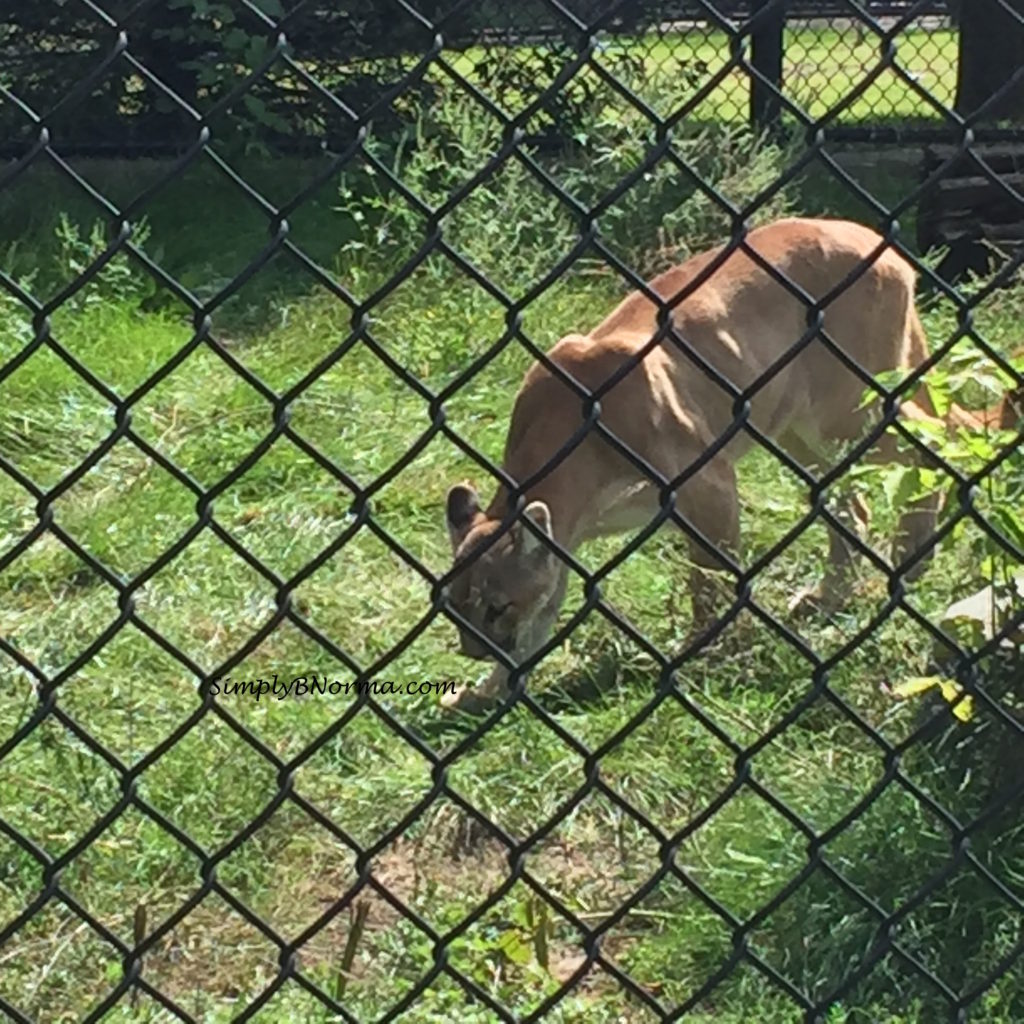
[604,678]
[582,691]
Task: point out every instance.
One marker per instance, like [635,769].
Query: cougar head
[506,587]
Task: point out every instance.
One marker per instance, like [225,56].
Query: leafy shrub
[967,378]
[513,225]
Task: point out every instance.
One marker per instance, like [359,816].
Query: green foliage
[991,456]
[241,45]
[514,225]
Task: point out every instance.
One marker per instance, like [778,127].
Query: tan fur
[741,321]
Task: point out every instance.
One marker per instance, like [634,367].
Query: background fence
[232,392]
[815,51]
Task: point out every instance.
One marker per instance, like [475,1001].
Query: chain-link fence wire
[115,54]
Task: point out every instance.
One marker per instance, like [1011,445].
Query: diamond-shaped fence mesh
[238,380]
[826,57]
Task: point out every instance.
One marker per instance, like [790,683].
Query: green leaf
[236,40]
[939,394]
[890,477]
[979,446]
[890,379]
[928,479]
[512,947]
[1010,522]
[255,106]
[540,934]
[916,685]
[909,488]
[934,430]
[962,708]
[744,858]
[256,50]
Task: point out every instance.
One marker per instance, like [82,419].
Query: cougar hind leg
[908,348]
[918,520]
[919,517]
[829,593]
[709,501]
[915,527]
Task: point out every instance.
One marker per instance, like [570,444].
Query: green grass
[366,778]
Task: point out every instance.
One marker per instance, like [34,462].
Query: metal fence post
[767,24]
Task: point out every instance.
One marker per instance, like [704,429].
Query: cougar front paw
[475,700]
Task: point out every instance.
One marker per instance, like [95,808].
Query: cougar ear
[463,506]
[540,515]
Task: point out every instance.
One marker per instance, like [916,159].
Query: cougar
[741,322]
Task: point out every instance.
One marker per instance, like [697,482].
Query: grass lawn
[593,840]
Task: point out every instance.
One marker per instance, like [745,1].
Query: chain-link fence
[231,411]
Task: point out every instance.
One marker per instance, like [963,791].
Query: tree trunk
[991,51]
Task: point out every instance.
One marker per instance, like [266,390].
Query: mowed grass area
[593,846]
[822,67]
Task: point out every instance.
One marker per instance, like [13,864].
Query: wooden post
[768,24]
